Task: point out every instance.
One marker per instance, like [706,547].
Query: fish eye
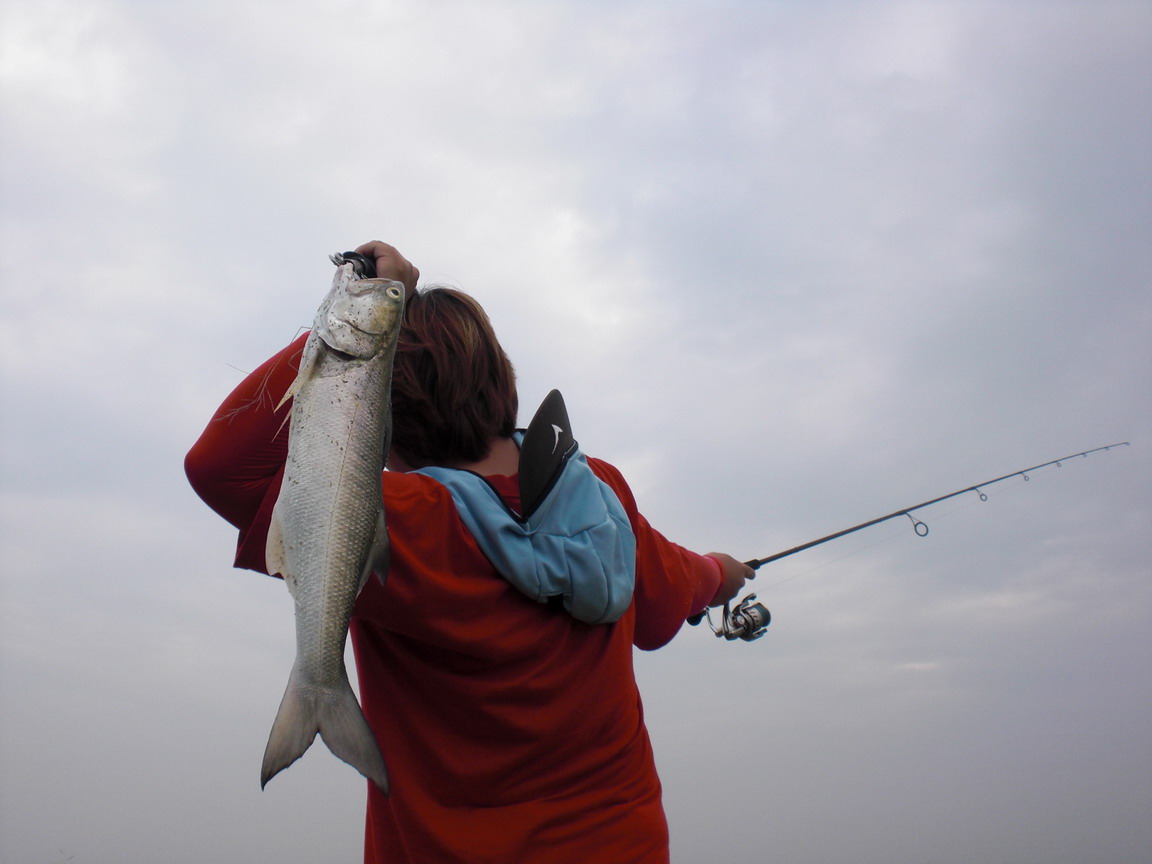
[394,292]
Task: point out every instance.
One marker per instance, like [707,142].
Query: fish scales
[327,533]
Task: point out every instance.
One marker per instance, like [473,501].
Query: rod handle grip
[696,619]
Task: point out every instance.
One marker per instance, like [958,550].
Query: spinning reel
[747,621]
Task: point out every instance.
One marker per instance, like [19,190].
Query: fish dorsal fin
[547,444]
[379,553]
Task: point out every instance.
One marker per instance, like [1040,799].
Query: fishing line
[895,535]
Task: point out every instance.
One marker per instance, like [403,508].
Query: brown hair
[453,387]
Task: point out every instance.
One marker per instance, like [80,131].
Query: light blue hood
[577,544]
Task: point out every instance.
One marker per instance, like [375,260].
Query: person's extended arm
[672,582]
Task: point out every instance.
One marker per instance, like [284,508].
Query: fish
[328,533]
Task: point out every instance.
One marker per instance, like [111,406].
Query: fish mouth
[368,332]
[330,338]
[352,326]
[343,356]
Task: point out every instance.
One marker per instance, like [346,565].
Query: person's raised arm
[244,445]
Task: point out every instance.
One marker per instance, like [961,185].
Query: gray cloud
[793,267]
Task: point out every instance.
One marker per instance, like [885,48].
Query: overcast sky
[793,265]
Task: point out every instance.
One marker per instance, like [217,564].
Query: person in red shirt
[513,730]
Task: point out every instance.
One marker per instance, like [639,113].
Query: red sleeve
[237,463]
[672,583]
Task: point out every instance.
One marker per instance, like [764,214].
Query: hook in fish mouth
[362,265]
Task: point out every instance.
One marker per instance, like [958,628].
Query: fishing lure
[364,266]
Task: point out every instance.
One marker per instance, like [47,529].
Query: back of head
[453,387]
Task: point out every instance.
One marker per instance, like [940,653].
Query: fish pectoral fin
[307,361]
[378,554]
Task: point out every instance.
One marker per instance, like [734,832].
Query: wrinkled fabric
[577,545]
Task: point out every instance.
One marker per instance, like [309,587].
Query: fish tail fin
[293,730]
[348,735]
[335,714]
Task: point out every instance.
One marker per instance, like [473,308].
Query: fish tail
[334,713]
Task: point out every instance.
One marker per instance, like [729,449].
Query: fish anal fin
[274,558]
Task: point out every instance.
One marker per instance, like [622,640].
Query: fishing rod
[749,620]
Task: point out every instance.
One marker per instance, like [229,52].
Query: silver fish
[327,533]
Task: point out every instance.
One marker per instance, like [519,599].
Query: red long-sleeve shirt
[512,732]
